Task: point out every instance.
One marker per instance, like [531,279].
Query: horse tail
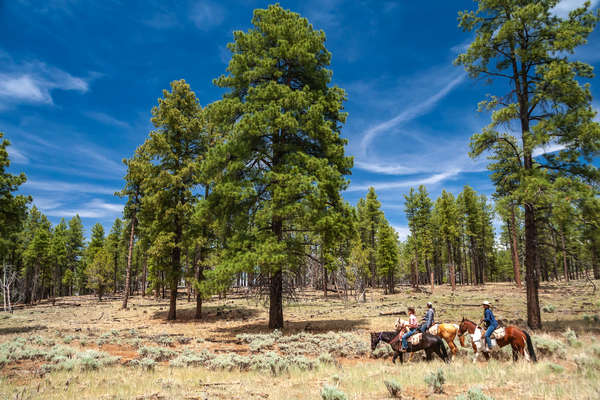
[530,349]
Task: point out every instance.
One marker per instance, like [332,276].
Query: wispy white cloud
[404,183]
[16,156]
[563,8]
[90,152]
[106,119]
[206,15]
[94,209]
[67,187]
[33,82]
[409,113]
[549,148]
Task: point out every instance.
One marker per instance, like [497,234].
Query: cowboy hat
[429,304]
[485,303]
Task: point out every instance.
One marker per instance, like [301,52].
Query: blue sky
[78,80]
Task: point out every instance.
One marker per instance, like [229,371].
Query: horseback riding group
[410,336]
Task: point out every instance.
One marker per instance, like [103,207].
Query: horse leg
[428,352]
[394,357]
[475,353]
[515,351]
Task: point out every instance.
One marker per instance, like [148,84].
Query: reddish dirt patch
[126,353]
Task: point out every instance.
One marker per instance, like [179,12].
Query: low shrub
[260,344]
[394,387]
[156,353]
[164,340]
[332,393]
[383,350]
[302,363]
[474,394]
[571,337]
[326,358]
[435,380]
[147,364]
[556,368]
[549,308]
[549,347]
[190,358]
[585,363]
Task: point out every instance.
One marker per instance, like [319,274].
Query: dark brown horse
[514,336]
[431,344]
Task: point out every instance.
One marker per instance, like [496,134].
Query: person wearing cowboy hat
[428,319]
[490,321]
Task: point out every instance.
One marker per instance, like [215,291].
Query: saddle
[433,330]
[498,333]
[415,339]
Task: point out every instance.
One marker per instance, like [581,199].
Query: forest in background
[246,191]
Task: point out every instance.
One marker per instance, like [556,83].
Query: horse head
[375,338]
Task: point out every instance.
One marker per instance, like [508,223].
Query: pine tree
[387,255]
[99,271]
[525,45]
[58,254]
[13,208]
[168,162]
[114,247]
[281,166]
[74,253]
[448,213]
[418,208]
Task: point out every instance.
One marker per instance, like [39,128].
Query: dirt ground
[83,323]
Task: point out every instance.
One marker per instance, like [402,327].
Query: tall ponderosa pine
[13,208]
[168,162]
[524,44]
[133,192]
[387,255]
[281,165]
[447,211]
[418,206]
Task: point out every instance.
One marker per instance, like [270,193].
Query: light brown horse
[446,331]
[514,336]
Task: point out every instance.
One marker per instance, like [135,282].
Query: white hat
[429,303]
[486,303]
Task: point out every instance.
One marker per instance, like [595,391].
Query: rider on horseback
[490,320]
[412,327]
[427,321]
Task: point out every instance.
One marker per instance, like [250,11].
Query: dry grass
[125,333]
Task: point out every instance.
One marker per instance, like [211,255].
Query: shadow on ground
[291,327]
[209,314]
[21,329]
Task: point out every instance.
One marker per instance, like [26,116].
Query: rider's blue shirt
[488,317]
[429,318]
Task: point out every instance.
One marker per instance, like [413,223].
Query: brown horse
[514,336]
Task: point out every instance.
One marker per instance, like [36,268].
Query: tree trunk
[534,319]
[564,252]
[595,264]
[276,286]
[128,274]
[174,276]
[514,245]
[199,278]
[452,273]
[144,276]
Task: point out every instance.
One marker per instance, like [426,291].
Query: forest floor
[84,349]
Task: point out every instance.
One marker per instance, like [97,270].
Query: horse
[446,331]
[429,343]
[514,336]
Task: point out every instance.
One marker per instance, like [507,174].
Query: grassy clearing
[94,350]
